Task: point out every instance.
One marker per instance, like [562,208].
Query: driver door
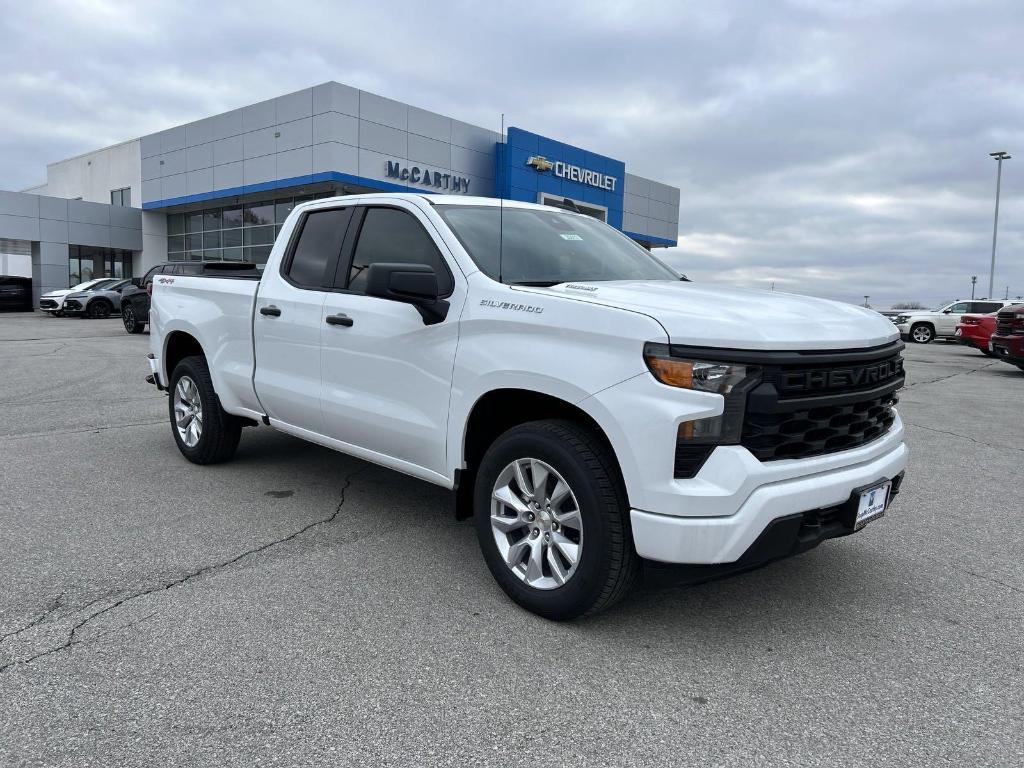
[387,374]
[947,322]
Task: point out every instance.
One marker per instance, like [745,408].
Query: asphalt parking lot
[298,607]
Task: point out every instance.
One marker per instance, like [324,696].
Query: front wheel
[131,320]
[922,333]
[99,310]
[552,520]
[204,432]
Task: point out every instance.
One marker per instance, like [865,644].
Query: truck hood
[706,315]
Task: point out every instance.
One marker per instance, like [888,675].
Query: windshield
[91,284]
[543,247]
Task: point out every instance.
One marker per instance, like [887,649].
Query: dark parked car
[135,299]
[15,294]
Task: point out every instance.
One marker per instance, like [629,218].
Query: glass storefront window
[211,219]
[259,236]
[254,215]
[232,217]
[231,233]
[87,263]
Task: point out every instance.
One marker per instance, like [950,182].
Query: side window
[318,247]
[389,235]
[189,269]
[984,307]
[959,308]
[151,274]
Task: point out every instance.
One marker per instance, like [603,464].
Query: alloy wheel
[188,412]
[922,334]
[536,523]
[128,316]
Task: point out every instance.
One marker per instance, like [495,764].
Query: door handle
[340,319]
[270,311]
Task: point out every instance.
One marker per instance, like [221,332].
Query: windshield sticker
[570,236]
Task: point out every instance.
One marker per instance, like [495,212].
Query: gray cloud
[834,148]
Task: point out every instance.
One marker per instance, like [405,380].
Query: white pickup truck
[590,408]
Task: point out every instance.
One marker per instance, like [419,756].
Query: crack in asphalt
[963,437]
[953,375]
[54,606]
[93,429]
[72,638]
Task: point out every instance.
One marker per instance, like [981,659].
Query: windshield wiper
[538,283]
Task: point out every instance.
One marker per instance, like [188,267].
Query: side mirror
[137,282]
[947,311]
[414,284]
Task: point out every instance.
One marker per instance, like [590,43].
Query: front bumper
[728,539]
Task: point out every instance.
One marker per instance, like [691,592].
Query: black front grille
[47,303]
[1004,323]
[814,431]
[814,403]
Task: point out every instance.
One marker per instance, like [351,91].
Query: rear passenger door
[386,373]
[288,322]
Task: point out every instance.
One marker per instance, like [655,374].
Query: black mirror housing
[414,284]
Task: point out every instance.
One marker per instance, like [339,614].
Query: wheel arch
[497,411]
[177,346]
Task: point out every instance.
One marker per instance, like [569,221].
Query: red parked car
[975,331]
[1008,340]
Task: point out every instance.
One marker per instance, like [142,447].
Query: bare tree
[909,305]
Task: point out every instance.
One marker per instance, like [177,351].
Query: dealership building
[220,187]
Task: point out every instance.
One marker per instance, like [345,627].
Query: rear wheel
[552,520]
[922,333]
[204,432]
[99,309]
[131,320]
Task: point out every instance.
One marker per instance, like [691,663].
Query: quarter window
[318,245]
[389,235]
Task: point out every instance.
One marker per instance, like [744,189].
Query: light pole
[866,300]
[974,281]
[999,157]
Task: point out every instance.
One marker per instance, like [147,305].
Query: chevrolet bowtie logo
[540,163]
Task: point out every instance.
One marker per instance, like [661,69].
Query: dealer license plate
[872,505]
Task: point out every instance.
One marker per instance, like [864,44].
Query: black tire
[922,333]
[131,320]
[58,314]
[220,430]
[99,309]
[987,352]
[608,564]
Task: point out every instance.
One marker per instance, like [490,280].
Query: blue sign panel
[530,164]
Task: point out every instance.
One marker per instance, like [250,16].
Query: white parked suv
[589,407]
[924,325]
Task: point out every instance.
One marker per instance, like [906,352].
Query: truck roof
[444,200]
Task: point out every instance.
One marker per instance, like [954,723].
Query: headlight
[730,380]
[901,319]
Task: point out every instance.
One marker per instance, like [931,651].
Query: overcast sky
[835,148]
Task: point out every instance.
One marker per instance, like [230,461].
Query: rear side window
[984,307]
[389,235]
[318,247]
[189,269]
